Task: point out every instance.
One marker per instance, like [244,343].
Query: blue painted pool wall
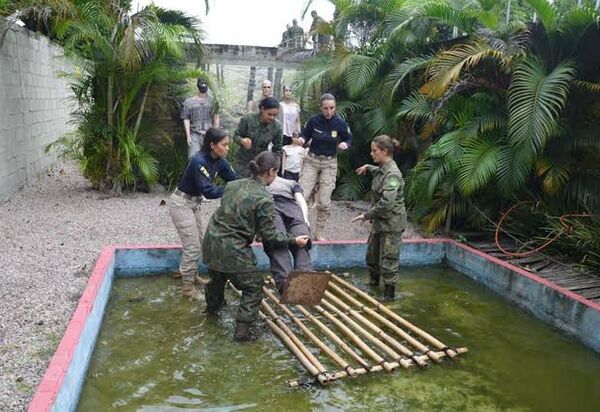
[70,391]
[136,262]
[547,304]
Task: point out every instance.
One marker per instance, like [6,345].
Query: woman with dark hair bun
[246,211]
[196,183]
[255,132]
[388,215]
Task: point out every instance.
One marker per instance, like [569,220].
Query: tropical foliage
[494,107]
[125,64]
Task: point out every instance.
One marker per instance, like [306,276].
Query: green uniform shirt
[246,210]
[261,135]
[388,214]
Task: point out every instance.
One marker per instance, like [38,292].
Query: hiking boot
[242,332]
[188,290]
[374,281]
[389,292]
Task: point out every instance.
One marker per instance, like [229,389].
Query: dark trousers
[383,256]
[288,218]
[249,283]
[291,175]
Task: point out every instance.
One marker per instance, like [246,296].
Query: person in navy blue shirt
[326,133]
[197,182]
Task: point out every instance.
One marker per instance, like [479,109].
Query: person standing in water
[246,211]
[196,183]
[387,215]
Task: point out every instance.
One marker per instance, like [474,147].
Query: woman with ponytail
[387,215]
[246,211]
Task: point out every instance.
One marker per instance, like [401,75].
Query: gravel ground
[50,236]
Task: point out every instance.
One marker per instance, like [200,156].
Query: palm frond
[394,79]
[546,12]
[536,100]
[478,165]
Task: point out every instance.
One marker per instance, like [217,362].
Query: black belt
[184,195]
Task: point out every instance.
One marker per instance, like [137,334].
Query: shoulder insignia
[334,133]
[204,171]
[394,183]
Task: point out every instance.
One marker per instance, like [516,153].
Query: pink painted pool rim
[54,376]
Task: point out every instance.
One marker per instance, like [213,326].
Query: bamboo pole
[324,348]
[439,345]
[436,356]
[330,334]
[288,337]
[389,366]
[361,371]
[377,330]
[373,339]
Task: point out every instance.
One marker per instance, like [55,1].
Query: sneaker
[176,275]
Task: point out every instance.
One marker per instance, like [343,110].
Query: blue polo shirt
[198,177]
[325,134]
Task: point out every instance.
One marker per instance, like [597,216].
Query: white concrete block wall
[35,102]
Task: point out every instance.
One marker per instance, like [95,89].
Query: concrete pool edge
[62,382]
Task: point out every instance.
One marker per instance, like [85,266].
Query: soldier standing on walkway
[388,215]
[255,132]
[246,211]
[296,35]
[198,114]
[197,182]
[327,132]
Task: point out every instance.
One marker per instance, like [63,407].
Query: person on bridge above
[296,38]
[267,91]
[286,37]
[327,132]
[198,114]
[317,28]
[255,132]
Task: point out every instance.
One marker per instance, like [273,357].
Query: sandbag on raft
[355,332]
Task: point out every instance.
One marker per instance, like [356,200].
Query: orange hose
[566,228]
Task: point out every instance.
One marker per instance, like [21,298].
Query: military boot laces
[242,332]
[389,293]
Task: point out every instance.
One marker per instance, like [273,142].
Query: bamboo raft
[353,331]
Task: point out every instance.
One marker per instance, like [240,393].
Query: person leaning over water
[327,132]
[196,182]
[254,133]
[246,211]
[387,215]
[291,215]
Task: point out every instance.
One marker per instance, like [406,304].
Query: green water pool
[156,352]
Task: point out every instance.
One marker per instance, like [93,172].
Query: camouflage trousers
[322,171]
[187,218]
[383,256]
[250,283]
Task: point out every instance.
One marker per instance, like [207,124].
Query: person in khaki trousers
[197,182]
[326,133]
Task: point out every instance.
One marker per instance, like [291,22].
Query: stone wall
[34,106]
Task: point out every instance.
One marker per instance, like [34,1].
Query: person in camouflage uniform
[246,211]
[254,134]
[388,215]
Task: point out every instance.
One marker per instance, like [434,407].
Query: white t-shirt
[293,157]
[290,112]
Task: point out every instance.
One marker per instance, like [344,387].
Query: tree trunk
[251,83]
[277,85]
[138,121]
[270,73]
[448,225]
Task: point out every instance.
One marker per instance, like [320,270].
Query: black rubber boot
[242,332]
[374,281]
[389,293]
